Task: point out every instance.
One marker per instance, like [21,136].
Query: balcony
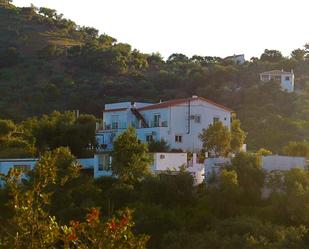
[158,124]
[115,126]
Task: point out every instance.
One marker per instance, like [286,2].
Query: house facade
[178,122]
[286,79]
[238,59]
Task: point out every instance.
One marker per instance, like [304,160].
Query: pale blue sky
[203,27]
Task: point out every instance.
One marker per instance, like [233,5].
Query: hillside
[49,63]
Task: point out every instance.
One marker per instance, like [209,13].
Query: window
[178,139]
[156,120]
[105,162]
[197,119]
[115,125]
[287,78]
[115,121]
[216,120]
[162,156]
[149,138]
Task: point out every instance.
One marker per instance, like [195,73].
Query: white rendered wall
[275,162]
[123,118]
[149,115]
[165,161]
[6,165]
[86,163]
[180,125]
[179,122]
[287,85]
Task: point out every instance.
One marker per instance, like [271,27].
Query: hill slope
[49,63]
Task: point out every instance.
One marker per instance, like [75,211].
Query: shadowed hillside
[50,63]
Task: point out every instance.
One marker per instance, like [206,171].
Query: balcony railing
[159,124]
[114,126]
[136,125]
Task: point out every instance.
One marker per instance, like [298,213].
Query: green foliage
[297,149]
[271,56]
[31,225]
[238,136]
[216,138]
[250,176]
[50,52]
[9,57]
[62,129]
[6,127]
[158,146]
[131,161]
[50,13]
[103,70]
[264,152]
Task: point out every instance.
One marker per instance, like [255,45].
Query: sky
[202,27]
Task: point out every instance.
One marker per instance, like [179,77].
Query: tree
[300,148]
[238,136]
[62,129]
[216,138]
[9,57]
[6,127]
[6,1]
[131,161]
[298,54]
[50,52]
[32,226]
[271,56]
[250,176]
[177,58]
[50,13]
[158,146]
[264,152]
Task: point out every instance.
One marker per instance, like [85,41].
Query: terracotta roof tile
[180,101]
[276,72]
[115,110]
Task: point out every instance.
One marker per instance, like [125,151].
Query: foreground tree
[131,161]
[216,138]
[250,176]
[238,136]
[31,225]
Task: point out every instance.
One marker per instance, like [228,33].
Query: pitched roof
[276,72]
[115,110]
[181,101]
[233,56]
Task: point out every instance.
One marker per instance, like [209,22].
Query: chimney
[292,71]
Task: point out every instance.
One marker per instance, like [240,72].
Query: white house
[238,59]
[286,79]
[100,164]
[269,163]
[161,162]
[179,122]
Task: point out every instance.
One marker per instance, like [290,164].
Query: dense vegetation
[241,207]
[50,63]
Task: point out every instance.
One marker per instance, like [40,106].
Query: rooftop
[181,101]
[164,104]
[276,72]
